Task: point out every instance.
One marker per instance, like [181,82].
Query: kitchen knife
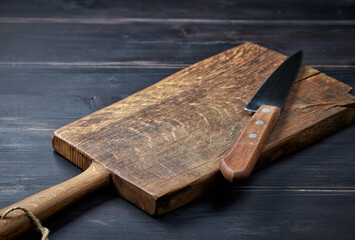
[266,103]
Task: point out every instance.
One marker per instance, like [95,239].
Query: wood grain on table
[63,60]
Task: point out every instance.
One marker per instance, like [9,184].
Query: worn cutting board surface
[162,144]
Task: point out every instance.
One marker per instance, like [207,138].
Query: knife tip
[299,54]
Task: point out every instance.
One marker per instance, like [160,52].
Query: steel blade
[275,89]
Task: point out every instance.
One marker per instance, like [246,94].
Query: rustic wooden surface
[163,144]
[56,68]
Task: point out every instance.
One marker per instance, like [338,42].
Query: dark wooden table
[62,60]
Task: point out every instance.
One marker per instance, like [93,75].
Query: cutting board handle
[46,203]
[240,161]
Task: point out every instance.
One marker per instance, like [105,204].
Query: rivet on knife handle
[267,103]
[240,161]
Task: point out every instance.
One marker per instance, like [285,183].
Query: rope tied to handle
[44,231]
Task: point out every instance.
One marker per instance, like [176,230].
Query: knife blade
[267,104]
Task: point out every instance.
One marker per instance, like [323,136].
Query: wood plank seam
[111,21]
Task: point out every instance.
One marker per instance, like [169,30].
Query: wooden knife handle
[51,200]
[240,161]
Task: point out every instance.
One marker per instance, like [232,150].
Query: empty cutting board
[162,144]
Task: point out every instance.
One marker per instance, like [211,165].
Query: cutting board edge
[64,148]
[137,196]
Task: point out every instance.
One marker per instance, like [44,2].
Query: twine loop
[44,231]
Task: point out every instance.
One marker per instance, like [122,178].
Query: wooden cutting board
[162,144]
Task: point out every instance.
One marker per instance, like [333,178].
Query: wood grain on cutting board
[163,143]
